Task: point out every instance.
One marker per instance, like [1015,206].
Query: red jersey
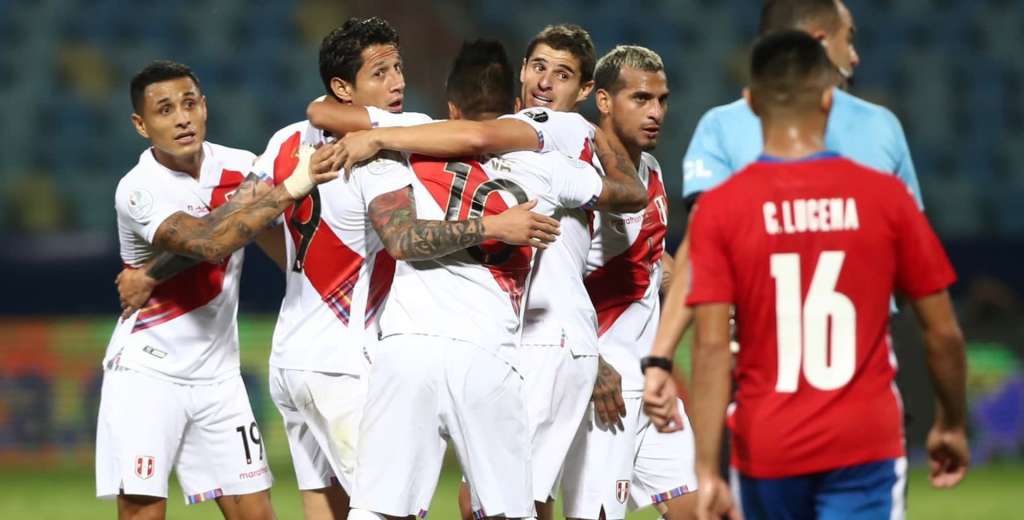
[809,253]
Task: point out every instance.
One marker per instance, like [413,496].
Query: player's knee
[252,506]
[141,507]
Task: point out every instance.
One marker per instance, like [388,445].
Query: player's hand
[609,405]
[519,226]
[948,455]
[359,146]
[714,500]
[326,162]
[660,400]
[134,287]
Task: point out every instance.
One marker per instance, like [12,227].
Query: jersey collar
[825,154]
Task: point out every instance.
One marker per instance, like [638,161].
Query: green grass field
[988,492]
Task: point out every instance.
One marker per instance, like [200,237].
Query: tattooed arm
[393,216]
[623,191]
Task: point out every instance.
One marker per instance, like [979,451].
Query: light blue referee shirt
[728,138]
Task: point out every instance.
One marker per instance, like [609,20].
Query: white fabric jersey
[188,332]
[476,295]
[558,311]
[624,278]
[338,274]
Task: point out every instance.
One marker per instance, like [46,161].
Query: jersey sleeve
[388,172]
[922,267]
[384,119]
[705,164]
[142,208]
[566,132]
[711,273]
[576,184]
[904,164]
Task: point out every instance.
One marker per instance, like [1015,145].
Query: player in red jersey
[808,247]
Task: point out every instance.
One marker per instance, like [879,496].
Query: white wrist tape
[300,182]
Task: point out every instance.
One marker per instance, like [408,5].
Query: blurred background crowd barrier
[950,69]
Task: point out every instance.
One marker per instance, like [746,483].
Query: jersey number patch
[818,334]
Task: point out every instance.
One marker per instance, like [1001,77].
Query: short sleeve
[565,132]
[922,267]
[388,172]
[142,208]
[575,183]
[384,119]
[904,164]
[711,274]
[705,164]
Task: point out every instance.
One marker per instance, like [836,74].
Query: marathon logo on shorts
[145,466]
[621,490]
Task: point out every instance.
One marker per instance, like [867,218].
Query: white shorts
[423,390]
[321,414]
[637,467]
[558,389]
[207,433]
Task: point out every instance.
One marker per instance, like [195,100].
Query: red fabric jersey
[809,253]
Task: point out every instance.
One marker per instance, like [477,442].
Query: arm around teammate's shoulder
[622,190]
[327,113]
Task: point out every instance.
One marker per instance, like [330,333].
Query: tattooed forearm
[166,265]
[226,228]
[393,216]
[623,190]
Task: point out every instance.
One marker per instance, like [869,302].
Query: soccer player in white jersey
[559,340]
[632,464]
[338,275]
[475,334]
[172,393]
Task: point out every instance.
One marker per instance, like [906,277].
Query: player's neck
[190,164]
[632,150]
[793,139]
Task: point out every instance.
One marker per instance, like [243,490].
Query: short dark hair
[341,51]
[155,72]
[779,15]
[482,80]
[572,38]
[789,70]
[609,67]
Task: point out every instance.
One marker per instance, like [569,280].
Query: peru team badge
[145,466]
[621,490]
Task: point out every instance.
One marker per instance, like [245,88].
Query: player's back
[337,273]
[477,294]
[809,252]
[728,138]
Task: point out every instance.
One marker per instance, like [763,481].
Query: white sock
[362,514]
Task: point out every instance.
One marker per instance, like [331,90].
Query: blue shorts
[876,490]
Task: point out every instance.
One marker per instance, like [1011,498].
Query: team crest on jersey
[145,466]
[140,204]
[538,115]
[659,202]
[621,490]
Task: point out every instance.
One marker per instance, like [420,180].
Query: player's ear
[342,89]
[519,103]
[604,101]
[749,99]
[585,90]
[453,112]
[826,100]
[140,125]
[522,72]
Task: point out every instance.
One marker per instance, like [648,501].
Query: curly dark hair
[160,70]
[341,52]
[572,38]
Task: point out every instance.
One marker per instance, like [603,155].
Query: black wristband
[663,363]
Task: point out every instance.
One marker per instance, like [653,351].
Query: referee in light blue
[728,137]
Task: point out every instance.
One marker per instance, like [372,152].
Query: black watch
[663,363]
